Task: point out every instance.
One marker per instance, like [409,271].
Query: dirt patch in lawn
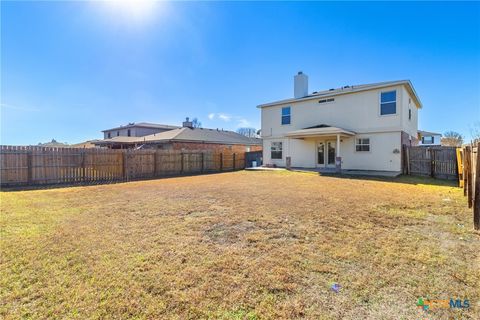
[242,245]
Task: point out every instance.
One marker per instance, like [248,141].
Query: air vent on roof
[326,100]
[331,89]
[345,87]
[314,92]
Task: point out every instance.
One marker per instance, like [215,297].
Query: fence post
[234,164]
[221,161]
[29,167]
[476,200]
[468,174]
[83,166]
[155,163]
[182,157]
[203,159]
[432,162]
[459,167]
[408,159]
[464,166]
[125,164]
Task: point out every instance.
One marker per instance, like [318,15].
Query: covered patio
[328,142]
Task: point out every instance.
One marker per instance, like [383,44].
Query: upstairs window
[388,103]
[109,135]
[118,133]
[409,114]
[276,150]
[286,115]
[362,144]
[128,132]
[427,140]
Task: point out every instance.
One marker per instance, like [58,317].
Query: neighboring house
[85,144]
[140,129]
[54,144]
[187,138]
[360,127]
[429,138]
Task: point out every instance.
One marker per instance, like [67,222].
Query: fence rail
[469,179]
[30,166]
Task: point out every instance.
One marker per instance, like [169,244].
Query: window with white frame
[427,139]
[276,150]
[286,115]
[362,144]
[388,103]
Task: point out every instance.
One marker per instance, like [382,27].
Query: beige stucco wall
[407,102]
[358,112]
[303,152]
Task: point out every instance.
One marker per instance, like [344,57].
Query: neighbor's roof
[348,90]
[144,125]
[187,135]
[427,133]
[320,130]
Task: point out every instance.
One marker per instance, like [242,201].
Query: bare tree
[196,123]
[475,131]
[452,139]
[248,132]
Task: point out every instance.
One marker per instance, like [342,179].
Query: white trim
[355,144]
[281,116]
[380,103]
[281,150]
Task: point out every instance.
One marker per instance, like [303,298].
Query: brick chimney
[187,123]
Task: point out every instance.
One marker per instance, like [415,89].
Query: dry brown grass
[241,245]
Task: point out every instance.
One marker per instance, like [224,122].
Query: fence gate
[437,162]
[253,156]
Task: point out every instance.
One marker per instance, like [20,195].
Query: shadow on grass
[46,186]
[417,180]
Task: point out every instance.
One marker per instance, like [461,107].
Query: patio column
[338,158]
[338,146]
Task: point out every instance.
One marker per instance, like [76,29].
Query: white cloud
[243,123]
[9,106]
[240,121]
[224,117]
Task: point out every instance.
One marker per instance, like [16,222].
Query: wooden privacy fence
[437,162]
[30,166]
[469,166]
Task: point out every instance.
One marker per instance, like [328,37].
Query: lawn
[242,245]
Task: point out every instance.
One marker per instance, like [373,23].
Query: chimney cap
[300,72]
[187,123]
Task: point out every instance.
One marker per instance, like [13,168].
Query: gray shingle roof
[347,90]
[189,135]
[428,133]
[144,125]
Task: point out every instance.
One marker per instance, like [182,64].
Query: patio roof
[321,131]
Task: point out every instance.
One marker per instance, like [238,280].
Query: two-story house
[429,138]
[140,129]
[360,127]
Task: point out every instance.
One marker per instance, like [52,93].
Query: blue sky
[72,69]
